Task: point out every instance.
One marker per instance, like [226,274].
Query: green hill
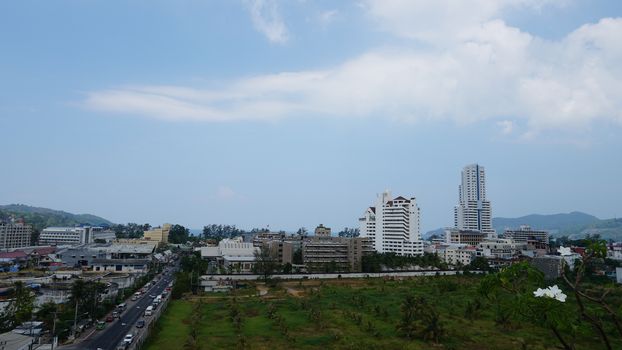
[567,223]
[576,225]
[41,218]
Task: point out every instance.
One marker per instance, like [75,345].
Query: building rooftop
[12,340]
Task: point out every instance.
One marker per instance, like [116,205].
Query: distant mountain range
[41,218]
[575,225]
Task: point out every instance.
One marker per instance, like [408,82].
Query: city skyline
[293,114]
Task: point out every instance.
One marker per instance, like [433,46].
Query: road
[113,334]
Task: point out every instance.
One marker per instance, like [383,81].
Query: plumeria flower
[539,293]
[564,251]
[561,297]
[555,290]
[552,292]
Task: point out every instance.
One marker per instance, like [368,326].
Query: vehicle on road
[140,324]
[129,338]
[122,346]
[121,307]
[134,298]
[115,314]
[109,318]
[152,296]
[149,311]
[101,325]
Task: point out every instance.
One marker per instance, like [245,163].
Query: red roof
[44,250]
[13,255]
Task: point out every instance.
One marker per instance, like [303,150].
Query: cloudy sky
[295,113]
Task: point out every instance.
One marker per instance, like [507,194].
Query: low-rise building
[614,251]
[322,231]
[158,234]
[232,254]
[335,254]
[456,254]
[74,235]
[121,265]
[525,232]
[15,341]
[552,265]
[500,248]
[468,237]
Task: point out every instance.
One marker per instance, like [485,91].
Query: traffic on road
[120,329]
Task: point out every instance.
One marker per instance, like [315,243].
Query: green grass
[377,303]
[172,327]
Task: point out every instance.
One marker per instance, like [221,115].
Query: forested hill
[41,218]
[575,224]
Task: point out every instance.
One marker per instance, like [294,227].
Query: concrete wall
[335,275]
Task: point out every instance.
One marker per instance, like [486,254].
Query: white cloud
[442,20]
[327,17]
[225,193]
[488,70]
[507,126]
[267,19]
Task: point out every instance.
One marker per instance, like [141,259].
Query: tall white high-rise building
[392,225]
[473,212]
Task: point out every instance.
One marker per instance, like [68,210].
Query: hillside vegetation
[576,225]
[41,218]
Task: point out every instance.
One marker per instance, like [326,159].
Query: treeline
[220,232]
[130,230]
[375,262]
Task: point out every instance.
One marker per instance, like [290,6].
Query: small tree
[265,263]
[19,309]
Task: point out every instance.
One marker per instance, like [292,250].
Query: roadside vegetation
[447,312]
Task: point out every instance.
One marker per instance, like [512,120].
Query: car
[134,298]
[101,325]
[122,346]
[115,314]
[140,324]
[109,318]
[129,338]
[149,310]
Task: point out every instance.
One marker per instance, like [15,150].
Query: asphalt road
[109,337]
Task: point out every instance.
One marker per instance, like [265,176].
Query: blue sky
[295,113]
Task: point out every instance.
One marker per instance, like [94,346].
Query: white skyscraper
[392,224]
[473,212]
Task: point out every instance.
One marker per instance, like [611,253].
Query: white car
[129,338]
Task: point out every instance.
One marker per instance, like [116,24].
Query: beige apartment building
[158,234]
[14,235]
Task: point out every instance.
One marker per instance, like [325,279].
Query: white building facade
[393,225]
[526,233]
[74,235]
[473,211]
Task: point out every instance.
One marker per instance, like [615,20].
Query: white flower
[548,293]
[555,290]
[552,292]
[564,251]
[539,293]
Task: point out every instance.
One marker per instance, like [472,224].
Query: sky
[294,113]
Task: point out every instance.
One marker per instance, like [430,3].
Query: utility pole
[75,320]
[53,331]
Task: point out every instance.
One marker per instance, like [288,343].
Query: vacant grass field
[343,314]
